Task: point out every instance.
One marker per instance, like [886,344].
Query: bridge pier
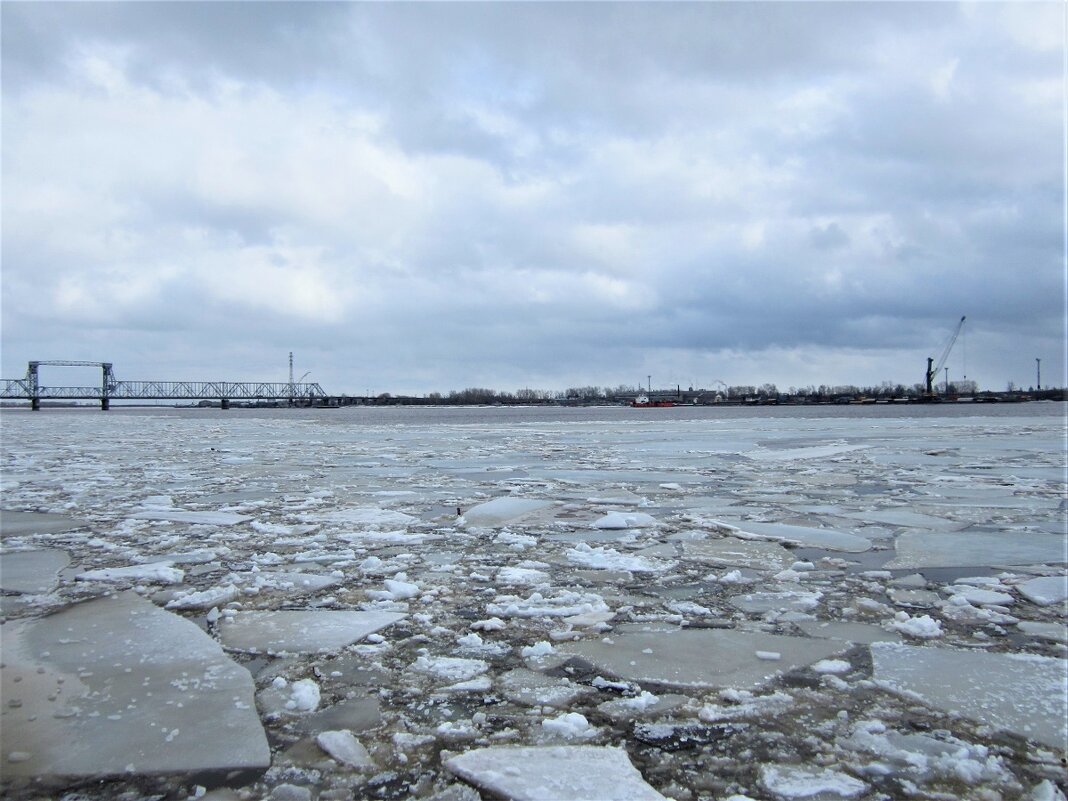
[224,403]
[105,404]
[35,404]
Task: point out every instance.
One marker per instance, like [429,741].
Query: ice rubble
[552,773]
[117,685]
[650,637]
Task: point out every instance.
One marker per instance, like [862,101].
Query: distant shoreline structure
[657,401]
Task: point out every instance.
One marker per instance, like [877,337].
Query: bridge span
[30,388]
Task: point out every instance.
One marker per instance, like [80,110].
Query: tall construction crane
[932,368]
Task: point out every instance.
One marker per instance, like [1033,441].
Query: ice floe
[829,539]
[698,658]
[1023,693]
[117,686]
[32,571]
[503,510]
[976,548]
[552,773]
[300,631]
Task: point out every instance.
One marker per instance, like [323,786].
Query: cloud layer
[418,197]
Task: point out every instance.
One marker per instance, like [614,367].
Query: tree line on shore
[766,393]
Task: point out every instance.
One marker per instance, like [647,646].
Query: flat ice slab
[1045,590]
[788,781]
[905,518]
[503,510]
[302,632]
[552,773]
[1021,693]
[118,686]
[976,549]
[183,516]
[698,658]
[32,571]
[13,524]
[828,538]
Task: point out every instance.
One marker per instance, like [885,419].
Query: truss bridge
[30,388]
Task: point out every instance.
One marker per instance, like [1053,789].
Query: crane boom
[932,369]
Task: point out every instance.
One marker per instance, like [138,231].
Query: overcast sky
[420,197]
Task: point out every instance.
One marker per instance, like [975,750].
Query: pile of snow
[537,650]
[303,696]
[625,520]
[206,599]
[397,589]
[609,559]
[786,781]
[832,666]
[343,746]
[522,576]
[570,726]
[925,627]
[921,756]
[745,704]
[563,604]
[154,572]
[449,668]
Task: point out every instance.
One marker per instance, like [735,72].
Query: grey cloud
[574,187]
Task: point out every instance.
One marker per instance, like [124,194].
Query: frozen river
[594,603]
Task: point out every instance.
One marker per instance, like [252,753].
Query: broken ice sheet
[370,516]
[117,685]
[976,549]
[32,571]
[296,631]
[807,536]
[182,516]
[796,600]
[790,781]
[906,518]
[530,688]
[552,773]
[154,572]
[1022,693]
[740,553]
[1045,590]
[698,658]
[503,510]
[862,633]
[14,524]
